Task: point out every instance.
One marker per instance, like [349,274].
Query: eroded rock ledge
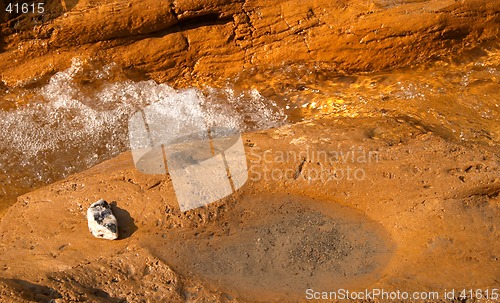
[214,39]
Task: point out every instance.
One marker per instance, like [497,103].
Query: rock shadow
[126,224]
[30,291]
[97,294]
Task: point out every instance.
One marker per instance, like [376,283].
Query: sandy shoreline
[434,203]
[394,184]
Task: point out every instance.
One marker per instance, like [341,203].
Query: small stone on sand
[102,223]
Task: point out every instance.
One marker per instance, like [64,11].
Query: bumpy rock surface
[216,253]
[213,39]
[102,222]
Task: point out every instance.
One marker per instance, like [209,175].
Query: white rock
[102,222]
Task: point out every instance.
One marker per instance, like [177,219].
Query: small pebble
[102,223]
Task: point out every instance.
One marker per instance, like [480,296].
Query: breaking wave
[80,117]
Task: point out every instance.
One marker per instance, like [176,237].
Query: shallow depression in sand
[274,247]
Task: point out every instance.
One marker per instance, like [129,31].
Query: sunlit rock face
[102,222]
[206,40]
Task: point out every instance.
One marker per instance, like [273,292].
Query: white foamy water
[69,125]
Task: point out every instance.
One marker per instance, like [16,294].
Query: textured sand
[425,206]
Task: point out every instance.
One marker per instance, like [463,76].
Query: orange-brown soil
[424,217]
[421,215]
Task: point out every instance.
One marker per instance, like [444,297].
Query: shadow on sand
[126,224]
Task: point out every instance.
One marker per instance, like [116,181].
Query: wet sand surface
[371,132]
[269,247]
[424,207]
